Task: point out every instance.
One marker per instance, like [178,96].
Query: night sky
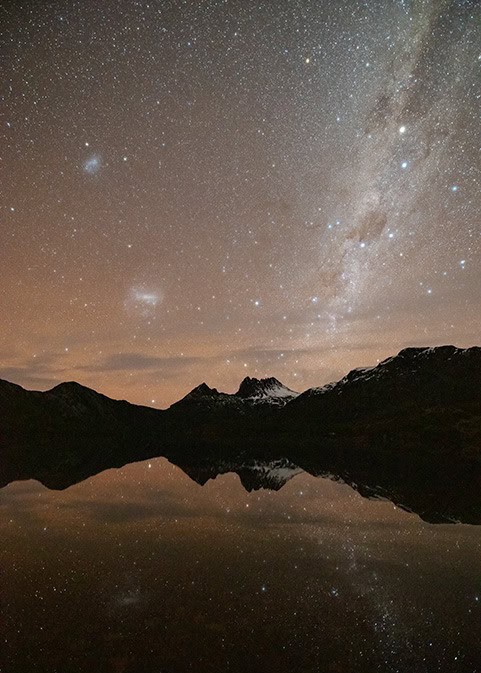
[203,190]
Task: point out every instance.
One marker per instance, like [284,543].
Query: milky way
[215,189]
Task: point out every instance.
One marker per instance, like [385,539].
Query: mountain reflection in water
[141,570]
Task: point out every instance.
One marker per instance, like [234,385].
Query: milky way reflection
[141,569]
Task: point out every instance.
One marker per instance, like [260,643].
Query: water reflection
[143,570]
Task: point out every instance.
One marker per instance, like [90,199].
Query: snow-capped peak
[264,389]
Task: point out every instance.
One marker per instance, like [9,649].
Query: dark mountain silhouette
[408,429]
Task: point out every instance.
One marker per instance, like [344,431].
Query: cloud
[165,506]
[27,378]
[372,225]
[140,361]
[134,361]
[35,372]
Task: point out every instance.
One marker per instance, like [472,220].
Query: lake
[142,570]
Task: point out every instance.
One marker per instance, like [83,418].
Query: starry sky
[200,190]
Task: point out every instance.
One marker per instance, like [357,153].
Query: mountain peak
[201,394]
[201,391]
[71,388]
[264,388]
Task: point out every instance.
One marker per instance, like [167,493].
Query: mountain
[422,401]
[408,429]
[254,474]
[204,397]
[251,392]
[70,427]
[442,375]
[269,390]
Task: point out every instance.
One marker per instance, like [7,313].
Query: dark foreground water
[142,570]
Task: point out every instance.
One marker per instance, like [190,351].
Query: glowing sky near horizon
[203,190]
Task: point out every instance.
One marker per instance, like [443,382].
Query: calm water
[142,570]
